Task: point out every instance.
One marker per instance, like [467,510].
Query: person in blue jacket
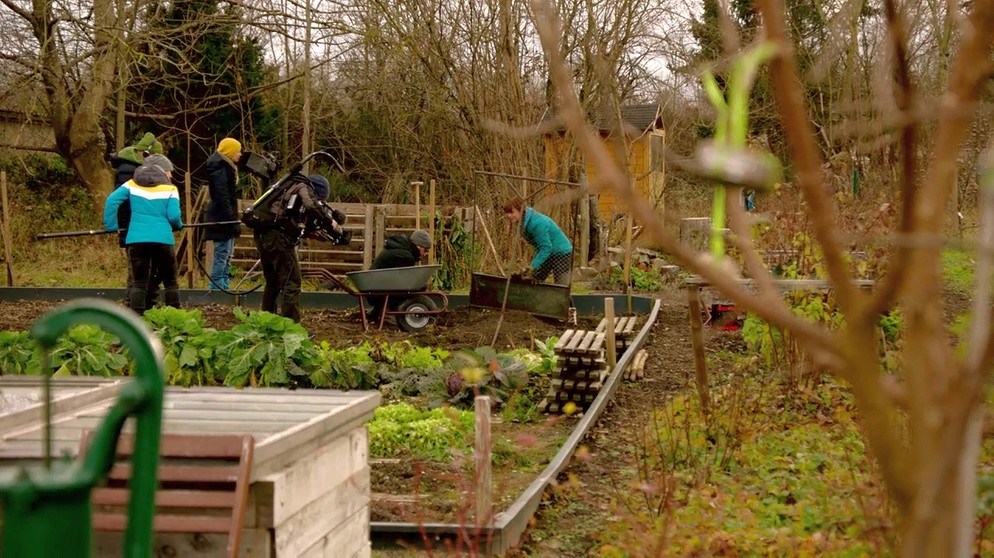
[124,163]
[553,251]
[155,215]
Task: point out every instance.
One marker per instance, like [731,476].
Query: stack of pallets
[580,370]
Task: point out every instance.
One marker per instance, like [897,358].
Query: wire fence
[502,247]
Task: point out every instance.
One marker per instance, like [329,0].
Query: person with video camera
[298,211]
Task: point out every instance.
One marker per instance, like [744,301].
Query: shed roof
[637,119]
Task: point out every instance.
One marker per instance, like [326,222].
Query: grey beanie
[160,161]
[421,238]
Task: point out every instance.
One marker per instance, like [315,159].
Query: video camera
[262,166]
[323,230]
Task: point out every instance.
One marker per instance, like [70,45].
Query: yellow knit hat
[229,147]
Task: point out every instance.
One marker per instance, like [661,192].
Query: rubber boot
[172,297]
[136,299]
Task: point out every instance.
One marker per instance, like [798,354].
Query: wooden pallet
[593,373]
[624,331]
[577,342]
[580,371]
[577,385]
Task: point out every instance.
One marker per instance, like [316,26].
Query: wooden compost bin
[310,491]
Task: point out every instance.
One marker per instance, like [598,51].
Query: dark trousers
[149,263]
[152,294]
[277,251]
[559,265]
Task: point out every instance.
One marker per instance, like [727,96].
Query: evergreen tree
[199,76]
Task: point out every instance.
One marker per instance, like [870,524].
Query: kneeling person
[398,251]
[401,251]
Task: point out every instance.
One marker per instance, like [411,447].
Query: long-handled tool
[43,236]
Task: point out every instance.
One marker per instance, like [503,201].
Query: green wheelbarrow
[401,292]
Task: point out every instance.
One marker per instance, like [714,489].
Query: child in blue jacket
[155,215]
[553,251]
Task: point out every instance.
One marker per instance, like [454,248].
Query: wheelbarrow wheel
[412,321]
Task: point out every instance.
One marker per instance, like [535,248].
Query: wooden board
[306,420]
[541,299]
[579,343]
[624,326]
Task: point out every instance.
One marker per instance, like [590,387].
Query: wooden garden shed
[642,146]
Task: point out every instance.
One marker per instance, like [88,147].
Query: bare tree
[72,49]
[922,425]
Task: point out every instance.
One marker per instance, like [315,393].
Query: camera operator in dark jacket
[299,211]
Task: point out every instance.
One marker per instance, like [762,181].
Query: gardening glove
[527,272]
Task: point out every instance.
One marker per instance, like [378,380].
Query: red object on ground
[725,317]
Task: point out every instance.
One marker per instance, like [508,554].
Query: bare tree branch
[904,94]
[807,160]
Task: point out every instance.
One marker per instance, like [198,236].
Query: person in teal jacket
[155,215]
[553,251]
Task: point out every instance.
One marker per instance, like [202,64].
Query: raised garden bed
[408,489]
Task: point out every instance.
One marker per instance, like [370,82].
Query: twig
[804,152]
[490,242]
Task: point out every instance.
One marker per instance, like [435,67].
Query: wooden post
[6,228]
[486,233]
[628,252]
[697,342]
[417,203]
[191,270]
[612,357]
[629,228]
[482,458]
[584,223]
[367,238]
[431,221]
[379,227]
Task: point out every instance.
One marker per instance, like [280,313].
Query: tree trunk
[942,516]
[76,125]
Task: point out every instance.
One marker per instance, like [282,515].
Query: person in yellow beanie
[222,178]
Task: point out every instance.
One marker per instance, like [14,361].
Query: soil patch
[413,491]
[409,490]
[456,329]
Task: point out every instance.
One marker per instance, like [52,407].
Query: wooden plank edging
[508,526]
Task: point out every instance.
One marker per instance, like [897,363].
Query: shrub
[270,350]
[190,347]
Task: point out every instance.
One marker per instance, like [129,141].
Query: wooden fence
[370,224]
